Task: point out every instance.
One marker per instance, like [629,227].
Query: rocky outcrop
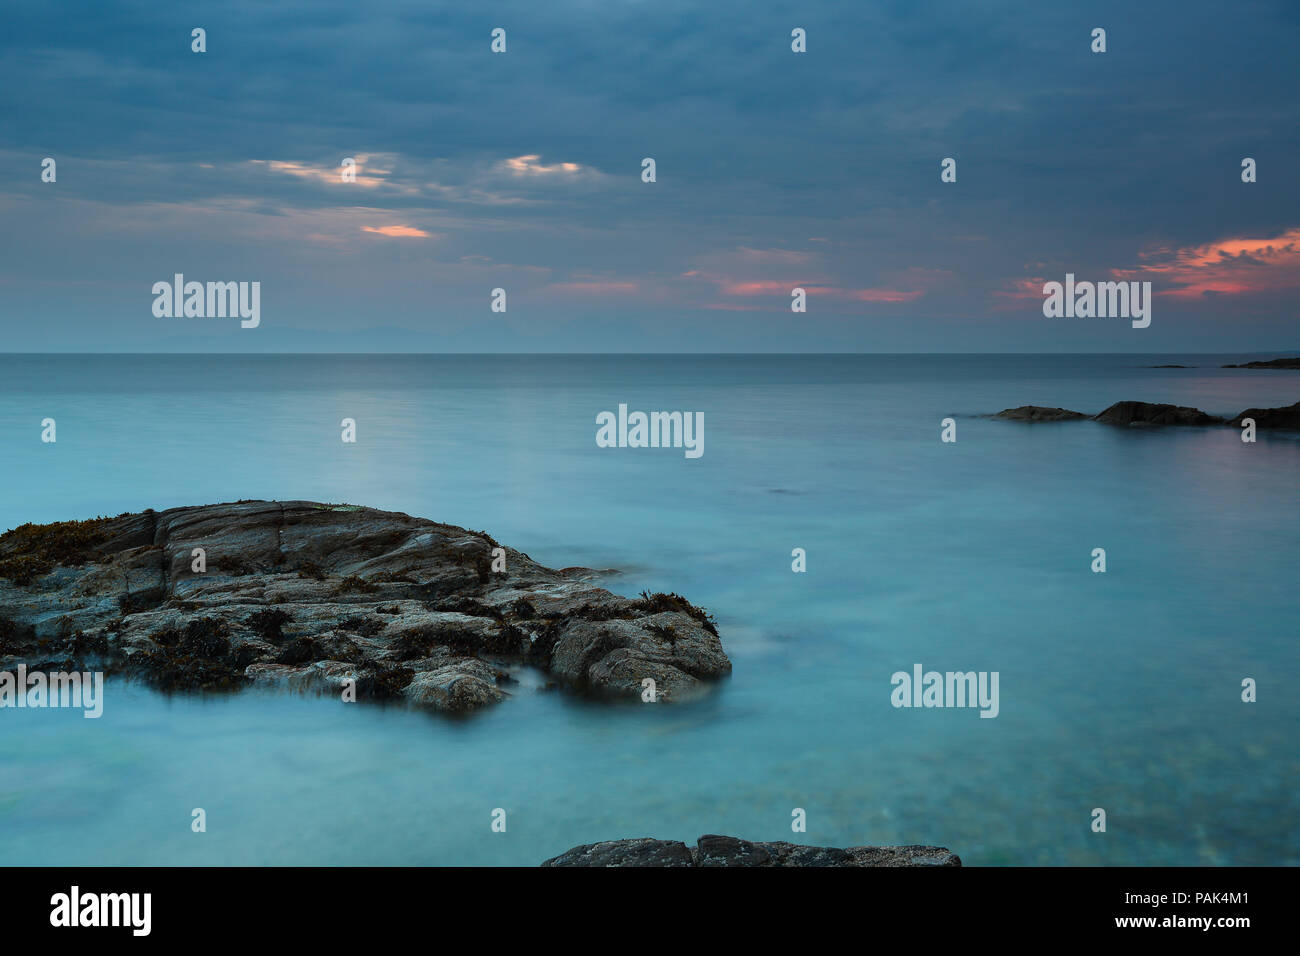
[1138,414]
[1288,417]
[728,851]
[641,852]
[1144,414]
[1292,363]
[323,597]
[1038,413]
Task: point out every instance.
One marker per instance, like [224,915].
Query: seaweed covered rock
[326,597]
[713,850]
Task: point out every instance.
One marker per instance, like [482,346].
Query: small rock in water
[1038,413]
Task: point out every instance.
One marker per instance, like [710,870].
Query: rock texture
[1146,413]
[312,596]
[714,850]
[1038,413]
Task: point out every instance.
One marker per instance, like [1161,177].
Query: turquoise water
[1118,690]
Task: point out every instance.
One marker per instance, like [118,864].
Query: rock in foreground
[315,596]
[1039,413]
[729,851]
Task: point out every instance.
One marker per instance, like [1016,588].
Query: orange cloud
[1234,266]
[397,232]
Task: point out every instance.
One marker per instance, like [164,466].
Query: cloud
[533,157]
[883,295]
[398,232]
[1231,266]
[594,288]
[1022,289]
[747,273]
[367,177]
[531,165]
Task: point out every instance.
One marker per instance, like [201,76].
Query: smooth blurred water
[1118,690]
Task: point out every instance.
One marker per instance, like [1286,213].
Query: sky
[522,171]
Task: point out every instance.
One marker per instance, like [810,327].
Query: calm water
[1119,690]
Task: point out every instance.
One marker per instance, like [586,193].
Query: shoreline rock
[311,596]
[713,850]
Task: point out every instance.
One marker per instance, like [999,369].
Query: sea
[1119,690]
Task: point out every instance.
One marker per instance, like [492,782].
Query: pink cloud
[884,295]
[762,287]
[1232,266]
[769,287]
[1235,266]
[1022,289]
[749,273]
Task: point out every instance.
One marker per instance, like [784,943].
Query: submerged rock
[729,851]
[1138,414]
[314,596]
[1038,413]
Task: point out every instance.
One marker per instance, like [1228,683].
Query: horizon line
[408,354]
